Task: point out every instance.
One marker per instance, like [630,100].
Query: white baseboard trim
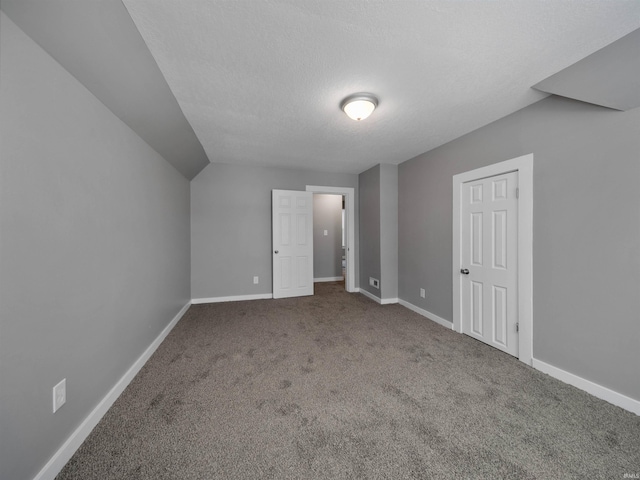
[328,279]
[431,316]
[588,386]
[234,298]
[62,456]
[381,301]
[369,295]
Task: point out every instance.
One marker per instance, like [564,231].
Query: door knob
[463,271]
[276,252]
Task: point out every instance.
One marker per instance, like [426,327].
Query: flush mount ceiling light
[359,105]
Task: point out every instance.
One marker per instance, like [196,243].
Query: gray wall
[94,253]
[586,238]
[379,230]
[327,249]
[117,68]
[370,228]
[389,231]
[609,77]
[231,225]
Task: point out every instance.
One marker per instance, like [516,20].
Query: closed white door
[489,269]
[292,220]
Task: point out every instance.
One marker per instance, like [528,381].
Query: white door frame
[524,166]
[349,208]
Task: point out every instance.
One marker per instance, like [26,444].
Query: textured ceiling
[261,82]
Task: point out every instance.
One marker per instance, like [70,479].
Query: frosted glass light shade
[359,106]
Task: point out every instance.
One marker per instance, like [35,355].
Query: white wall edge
[234,298]
[64,454]
[328,279]
[431,316]
[588,386]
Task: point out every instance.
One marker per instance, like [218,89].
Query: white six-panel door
[292,247]
[489,257]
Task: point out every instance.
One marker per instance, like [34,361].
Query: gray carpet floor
[336,386]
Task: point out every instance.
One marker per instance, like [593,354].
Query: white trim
[378,300]
[349,204]
[388,301]
[233,298]
[524,166]
[328,279]
[370,295]
[68,448]
[431,316]
[588,386]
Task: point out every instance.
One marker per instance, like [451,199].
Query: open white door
[292,247]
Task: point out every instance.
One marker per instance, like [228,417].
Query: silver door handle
[464,271]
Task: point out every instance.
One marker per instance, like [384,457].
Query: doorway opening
[329,241]
[347,237]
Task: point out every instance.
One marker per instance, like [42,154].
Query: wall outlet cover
[422,293]
[59,394]
[256,280]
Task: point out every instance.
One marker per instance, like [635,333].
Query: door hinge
[517,327]
[517,193]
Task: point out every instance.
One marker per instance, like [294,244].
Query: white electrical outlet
[326,232]
[59,395]
[374,282]
[256,280]
[422,292]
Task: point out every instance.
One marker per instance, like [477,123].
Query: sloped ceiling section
[261,81]
[609,77]
[98,43]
